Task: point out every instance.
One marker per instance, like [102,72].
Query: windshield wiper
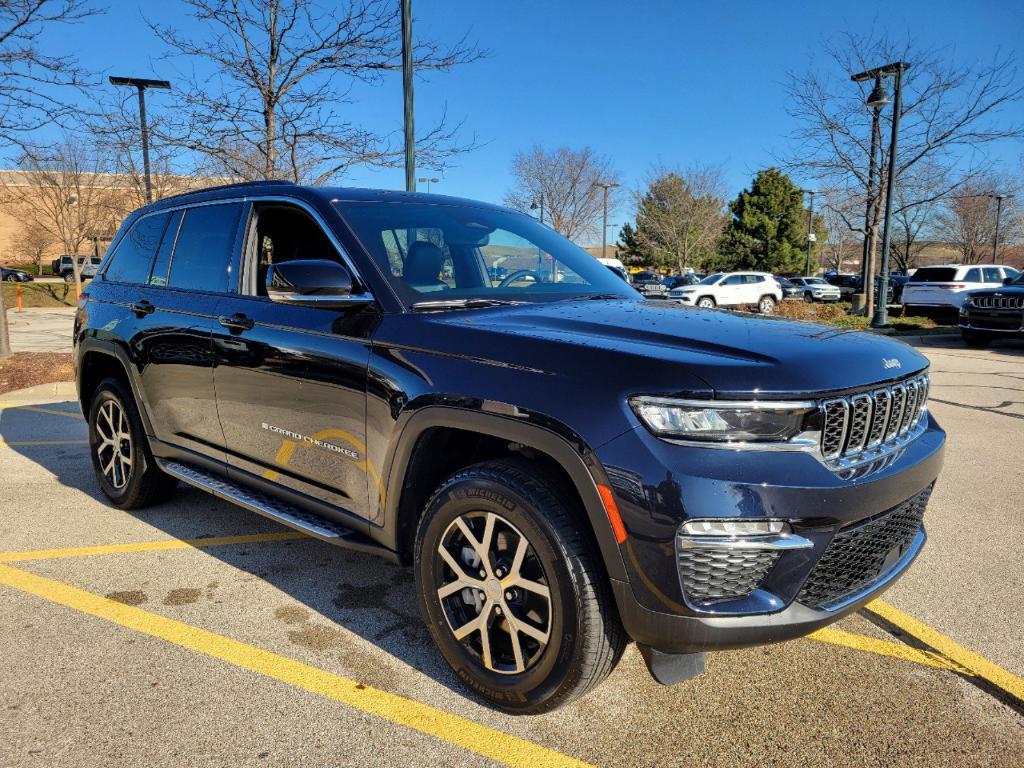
[439,305]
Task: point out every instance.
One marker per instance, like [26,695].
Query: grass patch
[838,315]
[39,295]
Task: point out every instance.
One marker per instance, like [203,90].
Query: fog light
[735,527]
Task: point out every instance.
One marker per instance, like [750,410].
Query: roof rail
[236,185]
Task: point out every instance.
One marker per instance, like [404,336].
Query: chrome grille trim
[868,425]
[998,302]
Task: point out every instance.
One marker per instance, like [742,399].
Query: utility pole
[606,186]
[539,203]
[410,130]
[141,84]
[999,213]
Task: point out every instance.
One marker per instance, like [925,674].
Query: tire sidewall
[111,390]
[555,668]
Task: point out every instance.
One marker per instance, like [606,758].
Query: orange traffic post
[17,290]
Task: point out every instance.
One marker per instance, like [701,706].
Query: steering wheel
[518,274]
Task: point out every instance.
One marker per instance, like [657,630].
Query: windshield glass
[934,275]
[814,281]
[434,253]
[711,279]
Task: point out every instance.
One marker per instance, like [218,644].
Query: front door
[291,380]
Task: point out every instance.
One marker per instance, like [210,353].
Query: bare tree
[562,182]
[838,249]
[680,214]
[281,72]
[913,222]
[950,112]
[968,219]
[65,190]
[28,77]
[34,240]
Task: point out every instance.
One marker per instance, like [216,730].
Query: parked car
[546,455]
[650,285]
[11,275]
[87,266]
[993,313]
[617,268]
[731,289]
[816,289]
[944,286]
[789,290]
[897,281]
[689,278]
[847,284]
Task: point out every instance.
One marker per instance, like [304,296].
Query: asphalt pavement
[194,633]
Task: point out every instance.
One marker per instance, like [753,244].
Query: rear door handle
[237,322]
[143,307]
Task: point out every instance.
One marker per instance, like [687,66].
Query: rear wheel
[510,590]
[706,302]
[124,465]
[766,305]
[976,339]
[69,277]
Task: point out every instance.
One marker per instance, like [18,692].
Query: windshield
[434,253]
[711,279]
[814,281]
[934,275]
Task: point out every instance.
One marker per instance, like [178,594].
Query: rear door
[291,380]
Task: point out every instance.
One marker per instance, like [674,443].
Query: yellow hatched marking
[38,409]
[498,746]
[150,546]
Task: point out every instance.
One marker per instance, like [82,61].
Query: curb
[65,390]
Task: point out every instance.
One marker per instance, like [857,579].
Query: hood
[1014,289]
[662,348]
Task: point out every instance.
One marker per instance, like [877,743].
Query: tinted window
[204,248]
[751,279]
[1011,272]
[734,280]
[934,275]
[158,276]
[992,275]
[973,276]
[130,262]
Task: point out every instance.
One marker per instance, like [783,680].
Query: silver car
[816,289]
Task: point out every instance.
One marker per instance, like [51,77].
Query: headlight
[716,421]
[967,302]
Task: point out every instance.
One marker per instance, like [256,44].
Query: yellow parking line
[37,409]
[150,546]
[835,636]
[43,442]
[965,657]
[453,729]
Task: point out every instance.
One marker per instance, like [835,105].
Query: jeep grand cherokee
[449,384]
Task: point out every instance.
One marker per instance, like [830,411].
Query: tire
[11,278]
[578,620]
[69,277]
[766,305]
[126,471]
[975,339]
[706,302]
[809,297]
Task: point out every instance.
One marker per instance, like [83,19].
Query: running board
[275,509]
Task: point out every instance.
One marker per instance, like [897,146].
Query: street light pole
[427,181]
[810,229]
[881,316]
[999,213]
[410,131]
[141,84]
[606,186]
[534,206]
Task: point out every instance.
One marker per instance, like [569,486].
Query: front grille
[998,302]
[861,553]
[713,575]
[867,424]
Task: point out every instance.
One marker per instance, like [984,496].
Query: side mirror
[312,283]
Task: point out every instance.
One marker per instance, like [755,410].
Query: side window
[131,261]
[752,279]
[992,275]
[158,276]
[203,251]
[973,276]
[285,233]
[734,280]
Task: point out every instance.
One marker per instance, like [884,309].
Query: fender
[88,346]
[580,467]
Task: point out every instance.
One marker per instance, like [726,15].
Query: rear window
[204,248]
[131,261]
[934,275]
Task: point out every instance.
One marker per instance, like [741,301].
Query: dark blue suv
[449,384]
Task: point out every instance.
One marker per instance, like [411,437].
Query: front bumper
[658,486]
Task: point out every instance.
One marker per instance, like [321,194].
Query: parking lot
[195,633]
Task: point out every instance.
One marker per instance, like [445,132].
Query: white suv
[945,285]
[731,289]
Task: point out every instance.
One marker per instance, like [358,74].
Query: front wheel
[69,277]
[706,302]
[809,297]
[510,590]
[766,305]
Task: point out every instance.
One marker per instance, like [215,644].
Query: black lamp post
[999,213]
[538,203]
[407,97]
[878,96]
[810,229]
[142,84]
[606,186]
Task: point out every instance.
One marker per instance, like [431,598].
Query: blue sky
[643,82]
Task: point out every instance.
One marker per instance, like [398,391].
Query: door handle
[237,322]
[143,307]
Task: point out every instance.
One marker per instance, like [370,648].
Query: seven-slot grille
[998,302]
[872,421]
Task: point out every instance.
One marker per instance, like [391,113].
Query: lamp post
[539,203]
[877,99]
[811,238]
[407,97]
[141,84]
[606,186]
[999,213]
[427,181]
